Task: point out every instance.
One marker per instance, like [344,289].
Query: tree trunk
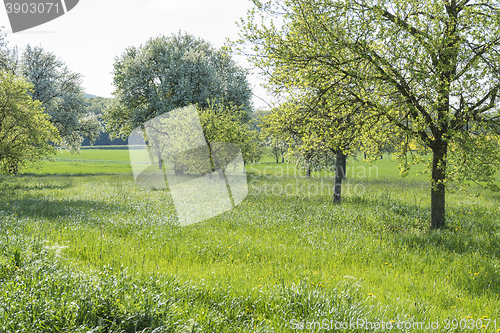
[438,189]
[340,165]
[308,171]
[14,168]
[160,164]
[178,171]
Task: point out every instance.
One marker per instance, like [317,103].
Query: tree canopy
[167,73]
[430,69]
[62,96]
[26,133]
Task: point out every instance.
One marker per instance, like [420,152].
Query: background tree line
[164,74]
[42,107]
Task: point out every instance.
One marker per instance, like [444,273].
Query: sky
[90,36]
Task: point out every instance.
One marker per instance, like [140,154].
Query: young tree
[429,68]
[167,73]
[321,132]
[26,133]
[273,138]
[62,96]
[220,124]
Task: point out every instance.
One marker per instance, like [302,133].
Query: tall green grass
[96,253]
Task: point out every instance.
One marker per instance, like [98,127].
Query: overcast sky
[91,35]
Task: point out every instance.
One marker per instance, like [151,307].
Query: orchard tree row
[356,73]
[352,74]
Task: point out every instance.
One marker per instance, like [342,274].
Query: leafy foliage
[430,70]
[61,94]
[167,73]
[191,137]
[26,133]
[223,124]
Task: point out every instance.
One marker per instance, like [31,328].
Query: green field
[88,161]
[82,248]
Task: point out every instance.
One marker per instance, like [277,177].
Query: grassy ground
[94,252]
[88,161]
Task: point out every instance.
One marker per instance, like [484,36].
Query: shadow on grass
[72,175]
[9,184]
[32,196]
[392,218]
[82,211]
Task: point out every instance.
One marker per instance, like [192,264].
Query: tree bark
[160,164]
[178,169]
[438,187]
[340,165]
[308,171]
[14,168]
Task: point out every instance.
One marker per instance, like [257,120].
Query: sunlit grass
[88,161]
[90,251]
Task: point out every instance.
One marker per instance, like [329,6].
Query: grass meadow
[83,249]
